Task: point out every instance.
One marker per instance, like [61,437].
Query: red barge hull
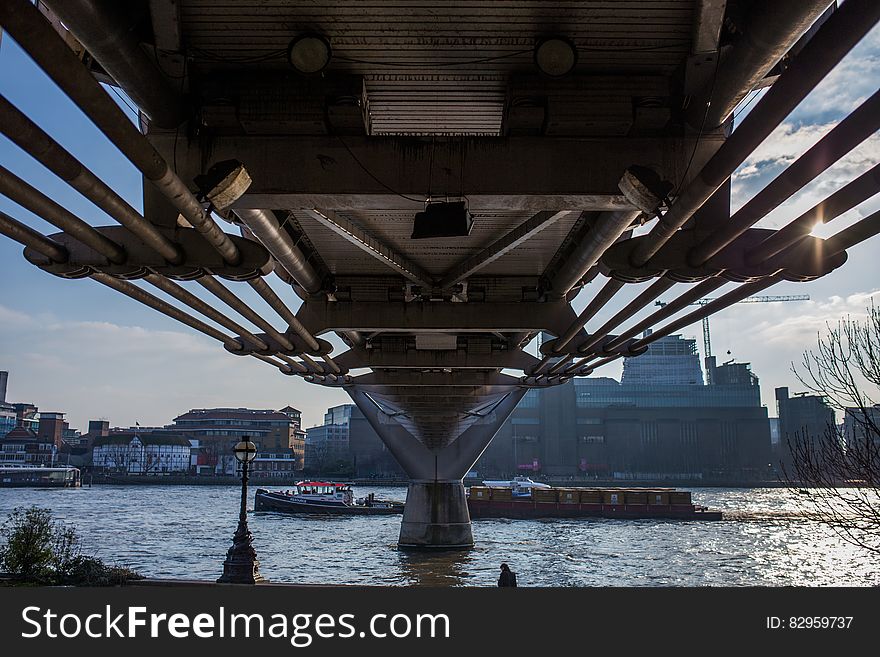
[529,509]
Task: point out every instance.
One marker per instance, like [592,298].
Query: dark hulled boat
[317,497]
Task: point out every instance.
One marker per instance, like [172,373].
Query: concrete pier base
[436,516]
[436,512]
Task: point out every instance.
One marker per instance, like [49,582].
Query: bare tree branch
[837,473]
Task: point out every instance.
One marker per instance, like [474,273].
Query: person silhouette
[507,577]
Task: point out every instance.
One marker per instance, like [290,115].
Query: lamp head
[245,450]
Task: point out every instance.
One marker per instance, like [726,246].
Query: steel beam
[34,200]
[371,245]
[191,300]
[603,296]
[220,291]
[595,238]
[434,359]
[845,136]
[653,291]
[446,380]
[772,28]
[501,173]
[142,296]
[105,28]
[500,247]
[36,36]
[30,238]
[855,234]
[262,288]
[722,302]
[429,316]
[832,41]
[707,25]
[31,138]
[278,242]
[843,200]
[165,17]
[698,291]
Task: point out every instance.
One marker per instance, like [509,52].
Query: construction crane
[707,341]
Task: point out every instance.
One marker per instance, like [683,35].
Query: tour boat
[324,498]
[26,476]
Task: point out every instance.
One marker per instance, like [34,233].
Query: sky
[83,349]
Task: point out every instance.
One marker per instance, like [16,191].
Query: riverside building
[660,421]
[277,434]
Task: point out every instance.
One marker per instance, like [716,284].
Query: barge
[522,498]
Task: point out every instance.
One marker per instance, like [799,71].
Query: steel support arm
[772,28]
[104,28]
[31,138]
[831,42]
[36,36]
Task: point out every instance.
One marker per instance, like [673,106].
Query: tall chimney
[4,377]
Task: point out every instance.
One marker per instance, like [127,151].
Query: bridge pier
[436,514]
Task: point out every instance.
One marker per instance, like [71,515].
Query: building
[801,416]
[660,421]
[51,428]
[862,425]
[671,360]
[7,419]
[7,411]
[146,453]
[219,429]
[346,444]
[23,446]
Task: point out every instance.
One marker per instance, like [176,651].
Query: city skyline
[77,348]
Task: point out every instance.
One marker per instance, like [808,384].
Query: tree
[837,473]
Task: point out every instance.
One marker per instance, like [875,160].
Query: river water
[184,532]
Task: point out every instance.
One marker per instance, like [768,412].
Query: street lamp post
[241,565]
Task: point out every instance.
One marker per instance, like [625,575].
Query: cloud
[782,148]
[812,319]
[14,319]
[92,369]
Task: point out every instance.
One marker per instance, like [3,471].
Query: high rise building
[671,360]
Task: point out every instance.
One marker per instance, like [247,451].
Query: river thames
[184,532]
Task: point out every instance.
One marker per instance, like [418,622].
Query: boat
[29,476]
[523,498]
[320,497]
[520,486]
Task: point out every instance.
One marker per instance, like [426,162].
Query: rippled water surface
[184,532]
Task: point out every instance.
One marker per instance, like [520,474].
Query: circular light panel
[309,53]
[555,56]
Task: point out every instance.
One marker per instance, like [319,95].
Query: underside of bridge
[434,183]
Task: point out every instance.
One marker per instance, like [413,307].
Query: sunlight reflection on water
[184,531]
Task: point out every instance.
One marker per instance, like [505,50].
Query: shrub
[39,550]
[30,541]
